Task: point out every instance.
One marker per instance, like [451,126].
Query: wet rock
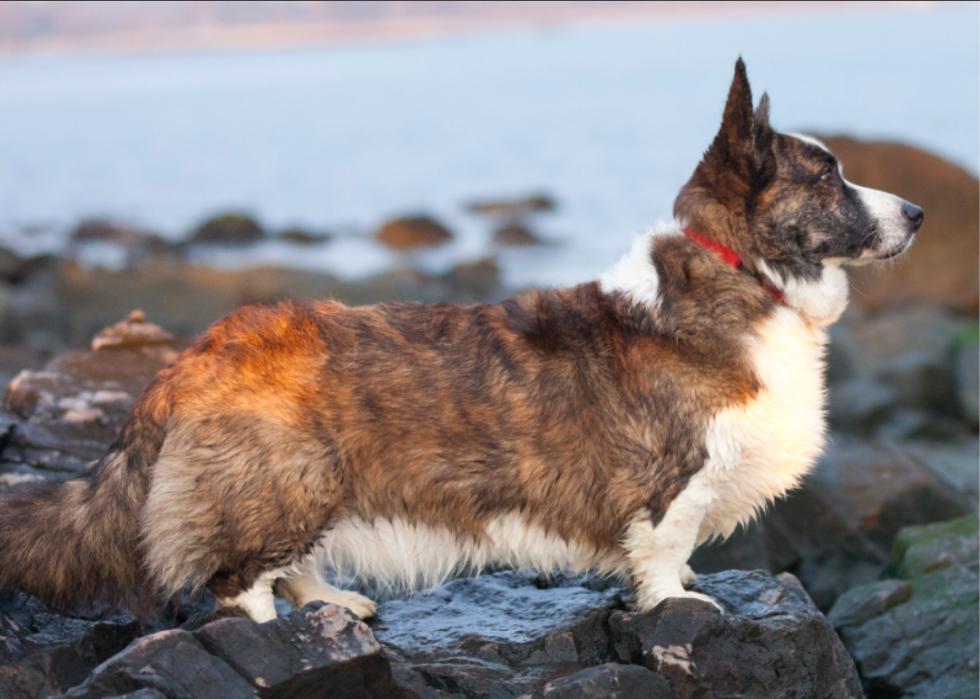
[319,647]
[172,663]
[411,232]
[942,266]
[498,635]
[228,229]
[608,681]
[515,235]
[917,635]
[772,642]
[68,413]
[42,653]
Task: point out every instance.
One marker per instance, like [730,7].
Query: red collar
[730,257]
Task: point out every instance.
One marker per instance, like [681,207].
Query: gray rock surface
[609,681]
[772,642]
[319,650]
[918,635]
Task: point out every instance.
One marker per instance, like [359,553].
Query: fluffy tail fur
[79,542]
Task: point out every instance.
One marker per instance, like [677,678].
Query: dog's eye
[829,177]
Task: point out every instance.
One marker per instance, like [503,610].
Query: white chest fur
[762,449]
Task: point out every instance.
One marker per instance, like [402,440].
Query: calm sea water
[610,120]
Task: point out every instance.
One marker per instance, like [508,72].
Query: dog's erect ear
[732,150]
[763,137]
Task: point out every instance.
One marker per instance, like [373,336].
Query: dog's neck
[730,257]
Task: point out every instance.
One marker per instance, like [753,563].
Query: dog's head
[781,201]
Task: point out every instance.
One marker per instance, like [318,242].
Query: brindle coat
[577,408]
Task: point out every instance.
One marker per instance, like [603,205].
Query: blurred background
[185,158]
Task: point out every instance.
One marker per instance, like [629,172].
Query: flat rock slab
[609,681]
[918,635]
[319,650]
[773,642]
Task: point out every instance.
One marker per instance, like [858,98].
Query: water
[608,119]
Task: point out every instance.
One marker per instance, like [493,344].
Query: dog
[612,426]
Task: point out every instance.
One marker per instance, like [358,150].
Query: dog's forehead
[808,150]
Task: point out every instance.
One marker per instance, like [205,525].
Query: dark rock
[104,231]
[303,654]
[411,232]
[772,642]
[942,266]
[501,634]
[171,662]
[10,264]
[966,376]
[608,681]
[67,414]
[228,229]
[42,653]
[515,235]
[513,209]
[919,636]
[298,236]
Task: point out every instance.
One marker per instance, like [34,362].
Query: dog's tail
[79,542]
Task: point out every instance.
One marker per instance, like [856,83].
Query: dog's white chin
[868,255]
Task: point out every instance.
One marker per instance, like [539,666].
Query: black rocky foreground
[904,452]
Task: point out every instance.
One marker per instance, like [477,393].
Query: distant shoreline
[286,35]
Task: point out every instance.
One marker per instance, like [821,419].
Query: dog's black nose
[913,213]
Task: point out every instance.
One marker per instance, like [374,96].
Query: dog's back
[614,425]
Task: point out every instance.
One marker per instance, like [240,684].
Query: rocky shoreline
[862,583]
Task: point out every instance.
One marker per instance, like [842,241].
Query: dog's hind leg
[257,600]
[304,583]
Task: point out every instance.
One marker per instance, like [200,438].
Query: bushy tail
[79,542]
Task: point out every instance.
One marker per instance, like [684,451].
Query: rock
[512,209]
[411,232]
[228,229]
[173,663]
[319,650]
[917,636]
[93,230]
[942,266]
[67,414]
[132,332]
[515,235]
[500,634]
[43,654]
[966,377]
[608,681]
[772,642]
[298,236]
[10,264]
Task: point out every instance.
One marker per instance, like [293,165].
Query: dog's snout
[913,213]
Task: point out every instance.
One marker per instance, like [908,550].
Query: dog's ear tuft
[732,150]
[765,155]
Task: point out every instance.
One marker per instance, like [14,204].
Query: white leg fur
[659,554]
[257,600]
[305,584]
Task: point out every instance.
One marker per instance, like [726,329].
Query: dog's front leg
[659,554]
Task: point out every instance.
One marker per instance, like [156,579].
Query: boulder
[409,232]
[609,681]
[43,653]
[62,417]
[228,229]
[515,235]
[300,236]
[319,650]
[772,642]
[916,635]
[942,266]
[966,377]
[512,209]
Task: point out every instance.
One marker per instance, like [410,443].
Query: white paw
[648,600]
[687,575]
[359,604]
